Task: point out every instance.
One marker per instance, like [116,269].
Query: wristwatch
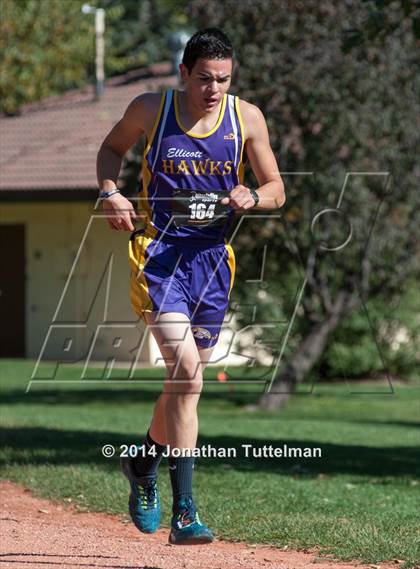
[255,196]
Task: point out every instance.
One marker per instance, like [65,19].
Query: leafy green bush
[377,339]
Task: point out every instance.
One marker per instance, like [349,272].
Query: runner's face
[207,83]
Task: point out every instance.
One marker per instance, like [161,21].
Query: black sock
[181,472]
[147,461]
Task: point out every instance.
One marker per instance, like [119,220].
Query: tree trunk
[309,352]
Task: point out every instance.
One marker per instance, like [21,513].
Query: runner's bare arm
[121,137]
[135,123]
[261,158]
[263,163]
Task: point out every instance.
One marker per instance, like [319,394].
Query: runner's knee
[184,378]
[187,369]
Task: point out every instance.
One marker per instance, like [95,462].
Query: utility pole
[100,46]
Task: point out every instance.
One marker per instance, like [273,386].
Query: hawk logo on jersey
[202,333]
[230,136]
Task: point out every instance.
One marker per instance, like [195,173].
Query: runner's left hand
[239,199]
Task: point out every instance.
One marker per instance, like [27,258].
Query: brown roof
[53,145]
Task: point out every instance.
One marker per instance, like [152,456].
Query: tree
[46,48]
[138,31]
[379,19]
[333,112]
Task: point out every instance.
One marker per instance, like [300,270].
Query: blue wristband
[104,194]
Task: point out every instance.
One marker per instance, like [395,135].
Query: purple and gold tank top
[203,166]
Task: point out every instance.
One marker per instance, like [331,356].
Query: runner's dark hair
[210,43]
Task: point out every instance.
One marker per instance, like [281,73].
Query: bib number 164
[202,211]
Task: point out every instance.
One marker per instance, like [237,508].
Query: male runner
[182,269]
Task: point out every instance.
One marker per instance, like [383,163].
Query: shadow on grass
[26,445]
[117,395]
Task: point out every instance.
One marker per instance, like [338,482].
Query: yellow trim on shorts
[241,167]
[139,289]
[232,265]
[193,134]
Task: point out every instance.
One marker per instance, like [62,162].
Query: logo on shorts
[230,136]
[202,333]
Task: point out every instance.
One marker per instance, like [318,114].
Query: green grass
[358,501]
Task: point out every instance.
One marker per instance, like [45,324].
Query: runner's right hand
[119,212]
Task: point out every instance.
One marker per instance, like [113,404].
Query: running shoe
[144,501]
[186,527]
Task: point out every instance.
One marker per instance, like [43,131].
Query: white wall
[55,234]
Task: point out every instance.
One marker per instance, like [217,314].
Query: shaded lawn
[359,500]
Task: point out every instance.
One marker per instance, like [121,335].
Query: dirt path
[38,534]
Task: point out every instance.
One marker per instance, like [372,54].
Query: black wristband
[255,197]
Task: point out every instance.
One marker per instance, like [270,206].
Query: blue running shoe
[186,528]
[144,501]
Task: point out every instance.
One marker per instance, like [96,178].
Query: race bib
[198,207]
